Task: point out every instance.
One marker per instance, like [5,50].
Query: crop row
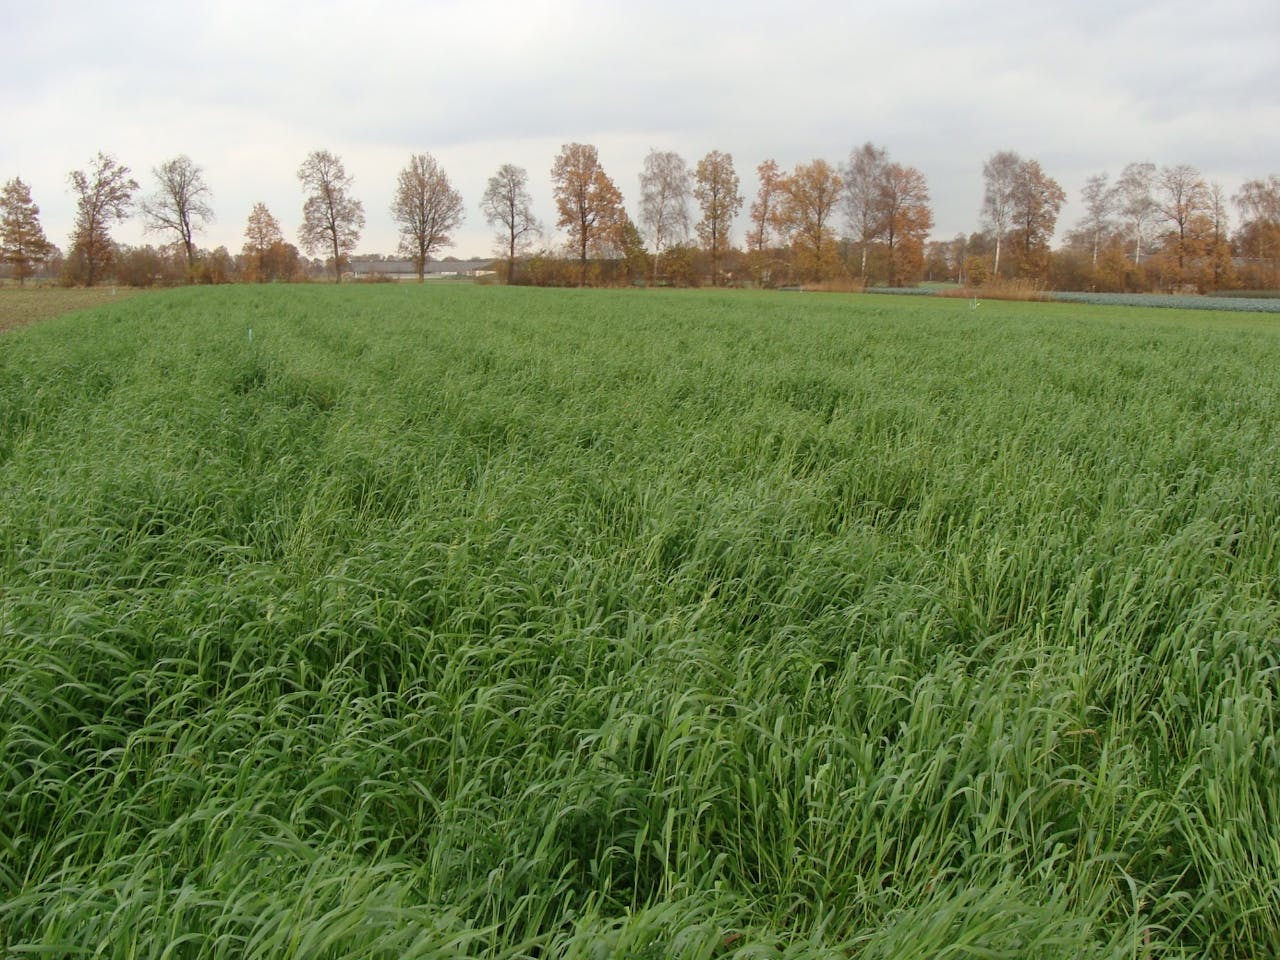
[512,623]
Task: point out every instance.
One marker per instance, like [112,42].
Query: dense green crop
[442,622]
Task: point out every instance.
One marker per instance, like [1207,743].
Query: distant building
[405,270]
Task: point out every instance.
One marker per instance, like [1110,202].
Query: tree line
[863,222]
[1152,228]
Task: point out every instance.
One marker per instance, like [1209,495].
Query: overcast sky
[248,89]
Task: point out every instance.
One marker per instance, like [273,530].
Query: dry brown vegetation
[1014,289]
[836,285]
[21,305]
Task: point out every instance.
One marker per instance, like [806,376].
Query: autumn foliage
[23,245]
[859,224]
[589,204]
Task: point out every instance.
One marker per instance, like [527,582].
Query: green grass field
[478,622]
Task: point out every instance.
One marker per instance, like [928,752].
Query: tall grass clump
[453,622]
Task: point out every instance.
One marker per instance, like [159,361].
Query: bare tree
[1100,200]
[507,203]
[427,209]
[331,218]
[664,200]
[1259,204]
[716,190]
[103,195]
[1136,202]
[22,240]
[1258,201]
[1000,174]
[180,203]
[1218,249]
[1181,194]
[957,251]
[589,203]
[863,176]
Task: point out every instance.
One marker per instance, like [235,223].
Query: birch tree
[665,186]
[1099,199]
[1136,203]
[863,211]
[716,190]
[1258,236]
[999,174]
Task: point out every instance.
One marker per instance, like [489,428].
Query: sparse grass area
[471,621]
[26,304]
[1257,303]
[1238,301]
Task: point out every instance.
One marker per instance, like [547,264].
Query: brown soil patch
[23,305]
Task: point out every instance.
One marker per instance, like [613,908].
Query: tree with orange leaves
[589,204]
[902,200]
[810,201]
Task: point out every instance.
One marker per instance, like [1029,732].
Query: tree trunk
[890,243]
[715,257]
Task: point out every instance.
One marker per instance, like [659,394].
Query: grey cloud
[248,89]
